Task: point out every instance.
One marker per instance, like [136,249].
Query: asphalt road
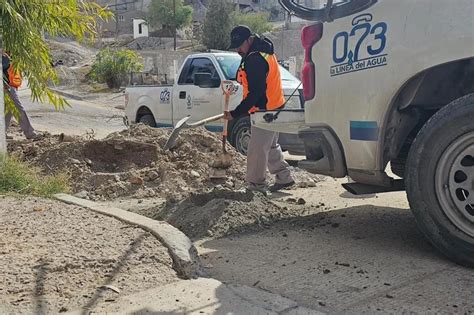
[81,118]
[363,256]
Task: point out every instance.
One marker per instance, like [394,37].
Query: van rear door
[326,10]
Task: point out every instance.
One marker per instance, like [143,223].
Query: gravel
[56,258]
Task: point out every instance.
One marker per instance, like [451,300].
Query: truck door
[198,102]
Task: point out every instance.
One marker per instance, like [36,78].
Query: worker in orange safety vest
[259,74]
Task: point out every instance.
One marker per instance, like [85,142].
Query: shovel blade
[175,133]
[217,173]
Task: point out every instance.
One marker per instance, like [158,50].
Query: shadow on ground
[354,259]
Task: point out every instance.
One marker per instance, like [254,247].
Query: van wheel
[148,120]
[240,134]
[440,180]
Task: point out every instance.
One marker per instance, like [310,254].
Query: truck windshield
[230,64]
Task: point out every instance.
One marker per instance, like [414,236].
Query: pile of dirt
[70,53]
[222,212]
[132,163]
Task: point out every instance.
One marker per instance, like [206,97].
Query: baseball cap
[239,35]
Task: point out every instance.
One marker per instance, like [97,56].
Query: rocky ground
[56,258]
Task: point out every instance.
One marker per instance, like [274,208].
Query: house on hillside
[200,7]
[125,12]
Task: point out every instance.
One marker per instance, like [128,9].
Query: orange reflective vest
[275,96]
[13,75]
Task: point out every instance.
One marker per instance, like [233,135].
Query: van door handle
[182,95]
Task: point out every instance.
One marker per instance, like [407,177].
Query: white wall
[136,28]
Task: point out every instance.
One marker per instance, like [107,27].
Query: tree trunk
[3,140]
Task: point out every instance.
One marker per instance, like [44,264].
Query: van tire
[440,162]
[148,120]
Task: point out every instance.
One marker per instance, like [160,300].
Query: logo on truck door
[189,102]
[360,49]
[165,96]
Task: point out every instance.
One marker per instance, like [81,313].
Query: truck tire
[440,180]
[240,134]
[148,120]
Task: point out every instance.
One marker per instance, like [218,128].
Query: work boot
[35,136]
[277,186]
[261,188]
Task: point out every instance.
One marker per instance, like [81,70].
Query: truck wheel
[148,120]
[440,180]
[240,134]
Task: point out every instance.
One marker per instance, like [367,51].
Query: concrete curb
[185,256]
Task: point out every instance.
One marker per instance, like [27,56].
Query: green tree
[258,22]
[161,14]
[23,26]
[217,25]
[113,67]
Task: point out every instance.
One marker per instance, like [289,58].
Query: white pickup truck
[197,93]
[392,82]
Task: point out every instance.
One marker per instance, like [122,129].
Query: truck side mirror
[205,80]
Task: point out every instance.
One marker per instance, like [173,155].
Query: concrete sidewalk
[198,296]
[201,296]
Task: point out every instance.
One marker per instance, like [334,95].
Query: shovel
[183,124]
[225,159]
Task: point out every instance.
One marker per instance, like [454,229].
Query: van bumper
[291,143]
[323,150]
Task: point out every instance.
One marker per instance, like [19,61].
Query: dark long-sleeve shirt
[5,65]
[257,69]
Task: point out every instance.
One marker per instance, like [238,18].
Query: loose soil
[222,212]
[56,258]
[132,163]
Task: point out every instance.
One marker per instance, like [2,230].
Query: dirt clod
[342,264]
[301,201]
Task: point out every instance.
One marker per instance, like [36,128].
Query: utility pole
[174,23]
[116,20]
[3,137]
